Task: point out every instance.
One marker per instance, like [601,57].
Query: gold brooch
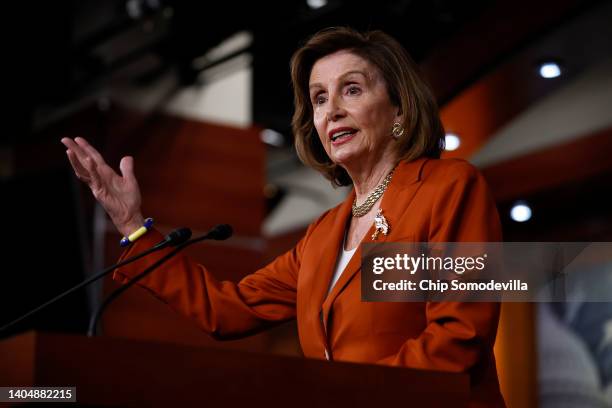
[381,225]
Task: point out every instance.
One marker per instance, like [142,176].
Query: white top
[343,260]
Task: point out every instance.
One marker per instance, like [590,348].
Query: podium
[125,373]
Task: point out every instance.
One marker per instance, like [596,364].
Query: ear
[399,117]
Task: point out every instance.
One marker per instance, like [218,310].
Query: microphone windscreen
[221,232]
[178,236]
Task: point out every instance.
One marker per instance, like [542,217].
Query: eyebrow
[319,85]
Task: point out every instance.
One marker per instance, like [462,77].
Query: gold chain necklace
[363,209]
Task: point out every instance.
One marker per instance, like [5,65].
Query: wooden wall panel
[197,175]
[572,162]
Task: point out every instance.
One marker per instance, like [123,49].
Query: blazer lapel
[400,192]
[329,247]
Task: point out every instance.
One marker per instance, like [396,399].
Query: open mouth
[343,134]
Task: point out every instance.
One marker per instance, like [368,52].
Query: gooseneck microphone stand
[219,233]
[175,238]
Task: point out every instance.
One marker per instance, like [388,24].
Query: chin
[346,154]
[343,160]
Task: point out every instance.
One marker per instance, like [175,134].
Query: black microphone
[175,238]
[219,232]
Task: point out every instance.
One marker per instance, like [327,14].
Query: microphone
[218,232]
[175,238]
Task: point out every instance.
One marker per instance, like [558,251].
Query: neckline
[346,230]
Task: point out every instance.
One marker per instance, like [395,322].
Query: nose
[335,109]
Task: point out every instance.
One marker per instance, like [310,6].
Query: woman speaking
[363,116]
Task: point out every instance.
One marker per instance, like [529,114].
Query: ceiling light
[315,4]
[451,142]
[550,70]
[520,212]
[133,9]
[272,137]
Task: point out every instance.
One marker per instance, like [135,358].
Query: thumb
[127,168]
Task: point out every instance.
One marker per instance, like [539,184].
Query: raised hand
[119,195]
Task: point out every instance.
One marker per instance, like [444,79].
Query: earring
[398,130]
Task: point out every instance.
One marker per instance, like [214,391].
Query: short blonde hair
[424,133]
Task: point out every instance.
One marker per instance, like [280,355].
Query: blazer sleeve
[458,334]
[223,309]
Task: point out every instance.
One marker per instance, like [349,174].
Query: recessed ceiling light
[550,70]
[272,137]
[520,212]
[315,4]
[451,142]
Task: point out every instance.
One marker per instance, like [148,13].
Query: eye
[353,90]
[319,99]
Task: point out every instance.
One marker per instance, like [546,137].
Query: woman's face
[353,114]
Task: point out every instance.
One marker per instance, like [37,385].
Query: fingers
[81,173]
[90,150]
[77,157]
[127,168]
[94,178]
[90,166]
[79,153]
[83,150]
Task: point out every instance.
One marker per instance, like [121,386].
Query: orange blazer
[427,200]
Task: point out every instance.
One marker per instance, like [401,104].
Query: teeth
[343,133]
